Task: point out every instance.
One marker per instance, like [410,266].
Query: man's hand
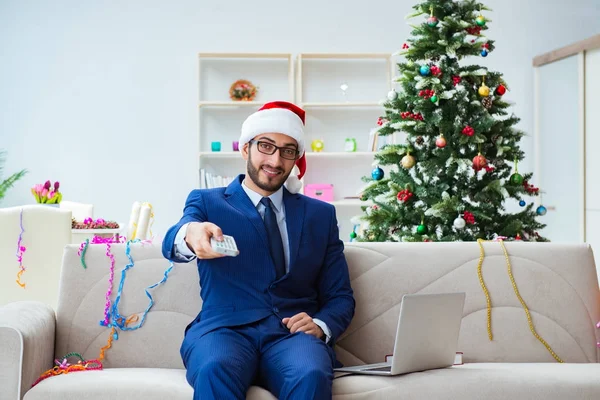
[197,238]
[302,322]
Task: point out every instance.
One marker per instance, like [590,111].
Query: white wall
[85,85]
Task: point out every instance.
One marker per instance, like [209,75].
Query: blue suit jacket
[243,289]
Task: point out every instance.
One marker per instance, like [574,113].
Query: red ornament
[485,46]
[374,207]
[435,70]
[474,30]
[426,94]
[440,142]
[405,46]
[409,115]
[456,80]
[530,188]
[518,237]
[404,195]
[500,90]
[469,131]
[469,217]
[479,162]
[381,121]
[427,240]
[489,168]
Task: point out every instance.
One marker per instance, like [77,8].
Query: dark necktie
[275,242]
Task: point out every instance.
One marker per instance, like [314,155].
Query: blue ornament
[522,203]
[484,53]
[377,173]
[425,70]
[541,210]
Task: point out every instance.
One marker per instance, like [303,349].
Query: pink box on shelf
[320,191]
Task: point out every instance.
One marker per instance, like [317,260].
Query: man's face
[269,171]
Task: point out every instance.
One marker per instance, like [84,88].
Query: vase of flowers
[47,193]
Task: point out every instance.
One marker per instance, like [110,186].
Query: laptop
[426,337]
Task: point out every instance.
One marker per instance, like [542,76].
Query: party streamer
[20,250]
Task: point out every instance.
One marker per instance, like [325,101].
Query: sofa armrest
[27,331]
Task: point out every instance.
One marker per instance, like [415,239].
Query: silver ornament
[392,95]
[460,223]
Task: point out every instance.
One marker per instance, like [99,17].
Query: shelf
[349,202]
[324,154]
[342,105]
[340,154]
[230,104]
[220,154]
[384,56]
[244,55]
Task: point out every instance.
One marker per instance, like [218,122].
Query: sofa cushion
[123,383]
[489,381]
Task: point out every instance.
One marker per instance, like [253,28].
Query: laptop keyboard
[387,368]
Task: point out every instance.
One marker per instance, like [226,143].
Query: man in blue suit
[271,315]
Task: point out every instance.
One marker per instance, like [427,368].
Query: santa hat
[279,117]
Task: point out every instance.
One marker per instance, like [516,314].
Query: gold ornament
[484,91]
[408,161]
[514,285]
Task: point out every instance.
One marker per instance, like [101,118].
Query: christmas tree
[450,179]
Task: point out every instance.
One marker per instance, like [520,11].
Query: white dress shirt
[182,250]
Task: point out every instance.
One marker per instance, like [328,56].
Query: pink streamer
[20,250]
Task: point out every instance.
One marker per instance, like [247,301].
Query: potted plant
[10,181]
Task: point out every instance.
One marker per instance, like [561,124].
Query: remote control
[227,246]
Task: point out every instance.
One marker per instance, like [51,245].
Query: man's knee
[315,374]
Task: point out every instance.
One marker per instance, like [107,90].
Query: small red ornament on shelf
[405,46]
[381,121]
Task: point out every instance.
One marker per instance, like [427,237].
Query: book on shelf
[209,181]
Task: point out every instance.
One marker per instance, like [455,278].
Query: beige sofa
[557,282]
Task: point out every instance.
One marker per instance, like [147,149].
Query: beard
[262,180]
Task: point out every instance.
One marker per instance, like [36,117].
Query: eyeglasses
[289,153]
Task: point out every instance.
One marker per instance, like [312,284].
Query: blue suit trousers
[225,362]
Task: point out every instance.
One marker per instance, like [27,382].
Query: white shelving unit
[314,83]
[334,114]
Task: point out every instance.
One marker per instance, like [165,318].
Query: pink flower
[44,192]
[56,185]
[100,221]
[51,194]
[47,185]
[38,188]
